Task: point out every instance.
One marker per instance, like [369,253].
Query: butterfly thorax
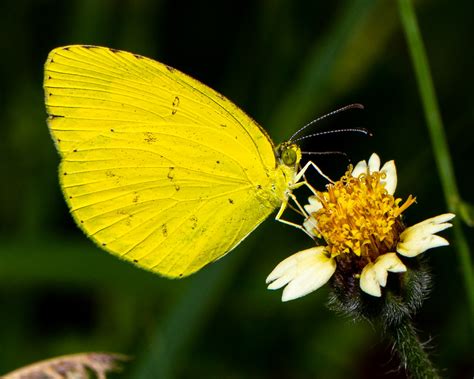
[289,158]
[282,177]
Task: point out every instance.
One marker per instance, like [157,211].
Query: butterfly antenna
[348,130]
[325,153]
[347,107]
[340,153]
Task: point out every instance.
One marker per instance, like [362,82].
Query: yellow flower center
[359,216]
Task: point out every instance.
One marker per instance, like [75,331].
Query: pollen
[358,216]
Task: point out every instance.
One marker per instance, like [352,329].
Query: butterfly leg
[299,183]
[283,207]
[302,172]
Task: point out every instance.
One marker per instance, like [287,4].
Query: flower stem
[439,141]
[413,357]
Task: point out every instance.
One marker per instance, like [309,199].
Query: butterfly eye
[289,156]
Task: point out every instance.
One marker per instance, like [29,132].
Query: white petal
[391,262]
[310,224]
[441,218]
[309,280]
[431,225]
[374,163]
[286,265]
[303,272]
[368,281]
[281,281]
[425,229]
[314,205]
[390,176]
[291,262]
[420,237]
[416,247]
[374,275]
[381,275]
[385,263]
[360,168]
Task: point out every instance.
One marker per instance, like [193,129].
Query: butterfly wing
[156,167]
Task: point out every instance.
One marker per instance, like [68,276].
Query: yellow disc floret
[359,216]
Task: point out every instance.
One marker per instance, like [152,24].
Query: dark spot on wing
[164,230]
[259,186]
[177,188]
[74,151]
[104,244]
[224,125]
[65,173]
[149,137]
[170,69]
[49,77]
[112,130]
[136,197]
[175,105]
[110,173]
[194,221]
[171,173]
[87,46]
[231,201]
[82,221]
[135,260]
[218,162]
[180,275]
[53,116]
[137,56]
[66,48]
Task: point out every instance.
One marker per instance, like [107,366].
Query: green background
[285,63]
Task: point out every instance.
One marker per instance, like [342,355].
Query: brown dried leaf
[74,366]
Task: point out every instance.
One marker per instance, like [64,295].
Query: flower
[358,223]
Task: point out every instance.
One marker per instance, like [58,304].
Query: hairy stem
[413,356]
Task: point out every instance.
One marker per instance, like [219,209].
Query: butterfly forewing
[156,167]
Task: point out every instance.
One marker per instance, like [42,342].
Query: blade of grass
[438,140]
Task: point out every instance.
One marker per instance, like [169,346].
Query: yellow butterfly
[156,167]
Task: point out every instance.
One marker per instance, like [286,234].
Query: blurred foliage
[285,63]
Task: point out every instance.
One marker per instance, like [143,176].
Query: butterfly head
[289,154]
